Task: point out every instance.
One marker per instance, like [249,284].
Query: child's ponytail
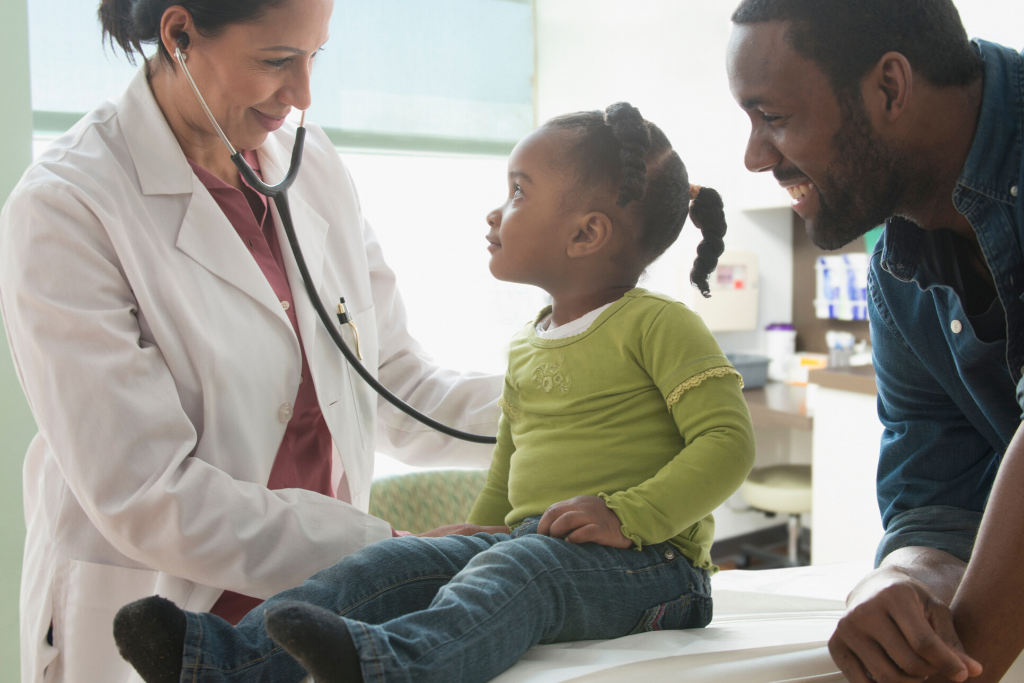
[630,129]
[707,213]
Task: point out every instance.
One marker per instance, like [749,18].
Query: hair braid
[707,213]
[630,129]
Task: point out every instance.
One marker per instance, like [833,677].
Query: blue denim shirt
[949,401]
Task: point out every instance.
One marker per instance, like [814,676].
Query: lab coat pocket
[95,592]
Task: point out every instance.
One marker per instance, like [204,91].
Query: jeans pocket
[527,526]
[691,610]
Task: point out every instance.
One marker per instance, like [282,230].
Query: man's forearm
[936,569]
[987,607]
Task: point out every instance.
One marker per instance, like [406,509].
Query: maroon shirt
[304,458]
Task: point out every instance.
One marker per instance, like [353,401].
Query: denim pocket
[692,610]
[527,526]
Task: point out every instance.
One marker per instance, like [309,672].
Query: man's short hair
[846,38]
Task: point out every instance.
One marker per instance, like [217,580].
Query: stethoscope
[278,193]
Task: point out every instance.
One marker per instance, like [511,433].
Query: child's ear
[592,234]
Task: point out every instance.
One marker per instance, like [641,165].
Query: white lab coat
[160,366]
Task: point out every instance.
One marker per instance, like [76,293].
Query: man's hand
[463,530]
[897,630]
[583,519]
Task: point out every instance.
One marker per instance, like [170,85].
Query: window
[424,75]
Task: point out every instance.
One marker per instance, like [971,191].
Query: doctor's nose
[760,155]
[296,92]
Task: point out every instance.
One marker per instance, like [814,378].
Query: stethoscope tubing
[279,194]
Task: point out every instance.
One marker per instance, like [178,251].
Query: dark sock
[150,635]
[317,639]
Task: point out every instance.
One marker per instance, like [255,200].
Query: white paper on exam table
[769,627]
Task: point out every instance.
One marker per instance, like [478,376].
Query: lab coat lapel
[310,231]
[208,237]
[206,234]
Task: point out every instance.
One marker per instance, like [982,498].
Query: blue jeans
[463,608]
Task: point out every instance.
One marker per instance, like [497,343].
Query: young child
[623,427]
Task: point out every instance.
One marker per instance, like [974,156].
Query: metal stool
[782,489]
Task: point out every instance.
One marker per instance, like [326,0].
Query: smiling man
[882,110]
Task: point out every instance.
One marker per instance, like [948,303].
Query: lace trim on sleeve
[698,379]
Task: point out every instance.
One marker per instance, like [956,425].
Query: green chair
[422,501]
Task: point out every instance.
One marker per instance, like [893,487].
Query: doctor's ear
[592,234]
[176,28]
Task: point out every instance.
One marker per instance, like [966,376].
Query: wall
[16,425]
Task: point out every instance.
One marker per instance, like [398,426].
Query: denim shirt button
[1013,191]
[956,326]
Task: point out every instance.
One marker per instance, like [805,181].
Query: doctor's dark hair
[131,23]
[619,150]
[846,38]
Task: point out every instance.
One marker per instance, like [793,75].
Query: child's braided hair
[619,149]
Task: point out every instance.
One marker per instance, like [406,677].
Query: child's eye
[769,118]
[518,192]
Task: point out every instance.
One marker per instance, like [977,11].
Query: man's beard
[863,186]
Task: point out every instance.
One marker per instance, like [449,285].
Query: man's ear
[593,233]
[888,87]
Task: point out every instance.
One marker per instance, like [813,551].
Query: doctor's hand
[896,630]
[584,519]
[463,530]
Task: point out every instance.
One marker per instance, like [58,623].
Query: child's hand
[583,519]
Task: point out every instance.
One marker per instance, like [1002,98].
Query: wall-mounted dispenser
[734,287]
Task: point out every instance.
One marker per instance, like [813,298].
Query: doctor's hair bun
[132,23]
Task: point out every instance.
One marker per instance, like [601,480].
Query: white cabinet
[847,525]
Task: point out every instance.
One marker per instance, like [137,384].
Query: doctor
[200,437]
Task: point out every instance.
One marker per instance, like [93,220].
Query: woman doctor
[188,400]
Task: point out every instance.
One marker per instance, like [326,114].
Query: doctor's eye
[277,63]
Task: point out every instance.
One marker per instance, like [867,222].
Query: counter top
[860,379]
[779,405]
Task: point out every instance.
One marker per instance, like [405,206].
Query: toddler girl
[623,427]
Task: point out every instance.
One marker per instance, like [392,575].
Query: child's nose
[494,218]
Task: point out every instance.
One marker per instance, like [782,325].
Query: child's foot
[317,638]
[150,635]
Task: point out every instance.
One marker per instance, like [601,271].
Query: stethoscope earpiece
[183,41]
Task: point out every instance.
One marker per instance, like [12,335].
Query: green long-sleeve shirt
[641,409]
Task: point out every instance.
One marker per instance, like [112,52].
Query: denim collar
[993,164]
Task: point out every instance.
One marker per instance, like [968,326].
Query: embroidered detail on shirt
[509,409]
[550,375]
[698,379]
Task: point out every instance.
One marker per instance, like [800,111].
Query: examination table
[769,626]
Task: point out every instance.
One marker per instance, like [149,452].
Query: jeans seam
[373,649]
[199,651]
[239,668]
[394,585]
